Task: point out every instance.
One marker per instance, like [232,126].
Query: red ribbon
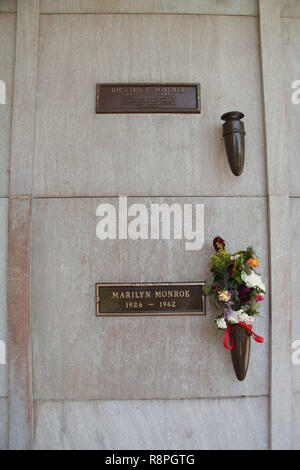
[257,338]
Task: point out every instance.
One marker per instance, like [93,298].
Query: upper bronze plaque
[148,98]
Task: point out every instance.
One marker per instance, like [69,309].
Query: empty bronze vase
[234,136]
[240,353]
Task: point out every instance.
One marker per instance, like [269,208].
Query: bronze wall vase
[234,136]
[240,353]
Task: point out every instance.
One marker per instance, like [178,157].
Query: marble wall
[223,7]
[226,423]
[290,54]
[79,356]
[7,57]
[3,322]
[106,155]
[160,382]
[7,54]
[83,159]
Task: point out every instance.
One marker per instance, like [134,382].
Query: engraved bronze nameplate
[138,299]
[147,98]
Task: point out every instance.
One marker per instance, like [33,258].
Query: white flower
[240,316]
[233,319]
[234,257]
[248,319]
[253,280]
[221,323]
[236,316]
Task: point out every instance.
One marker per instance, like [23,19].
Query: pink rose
[259,297]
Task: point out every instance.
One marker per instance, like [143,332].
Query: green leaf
[214,300]
[248,269]
[208,285]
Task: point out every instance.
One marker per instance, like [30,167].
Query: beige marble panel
[81,153]
[23,120]
[79,356]
[291,64]
[278,224]
[290,8]
[296,421]
[239,423]
[3,309]
[7,58]
[3,424]
[8,6]
[18,271]
[274,122]
[295,241]
[217,7]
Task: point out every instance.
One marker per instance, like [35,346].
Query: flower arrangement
[235,287]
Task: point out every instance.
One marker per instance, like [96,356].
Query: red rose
[230,269]
[218,243]
[244,293]
[259,298]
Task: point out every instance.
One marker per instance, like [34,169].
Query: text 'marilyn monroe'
[148,294]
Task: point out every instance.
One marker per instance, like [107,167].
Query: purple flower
[227,310]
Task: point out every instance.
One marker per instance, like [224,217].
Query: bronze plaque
[156,298]
[147,98]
